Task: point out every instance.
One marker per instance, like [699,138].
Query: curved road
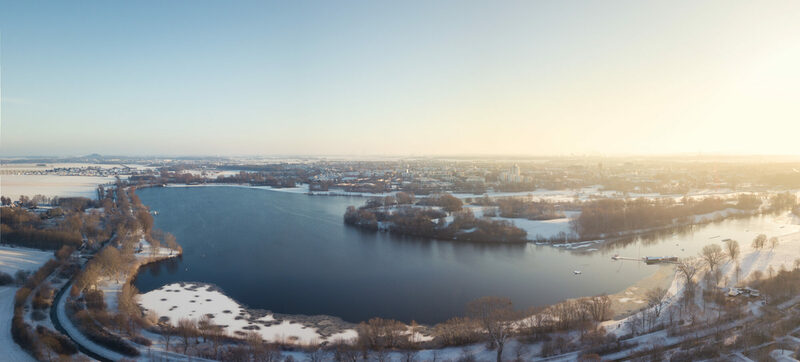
[54,310]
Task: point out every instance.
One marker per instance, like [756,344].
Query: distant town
[632,176]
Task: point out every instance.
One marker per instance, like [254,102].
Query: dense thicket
[533,210]
[610,216]
[430,223]
[782,201]
[22,332]
[52,229]
[41,239]
[447,202]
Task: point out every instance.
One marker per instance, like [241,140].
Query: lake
[291,253]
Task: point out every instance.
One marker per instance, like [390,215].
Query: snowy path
[11,351]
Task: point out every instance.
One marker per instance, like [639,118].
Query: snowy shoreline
[194,300]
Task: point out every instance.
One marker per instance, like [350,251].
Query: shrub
[142,341]
[23,335]
[56,341]
[94,299]
[6,279]
[22,296]
[21,276]
[97,334]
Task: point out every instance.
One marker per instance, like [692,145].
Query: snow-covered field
[51,185]
[782,256]
[50,166]
[542,228]
[193,300]
[11,260]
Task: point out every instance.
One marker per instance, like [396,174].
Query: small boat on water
[576,272]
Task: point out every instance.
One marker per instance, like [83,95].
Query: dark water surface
[291,253]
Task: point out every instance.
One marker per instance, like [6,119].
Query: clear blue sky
[399,77]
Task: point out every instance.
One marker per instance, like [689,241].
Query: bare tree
[712,254]
[688,268]
[317,355]
[409,355]
[496,315]
[204,326]
[166,331]
[654,297]
[733,249]
[598,306]
[155,246]
[187,329]
[215,334]
[773,242]
[759,242]
[378,333]
[520,352]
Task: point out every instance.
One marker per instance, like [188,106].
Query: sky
[399,77]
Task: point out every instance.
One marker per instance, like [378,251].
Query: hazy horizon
[368,157]
[414,79]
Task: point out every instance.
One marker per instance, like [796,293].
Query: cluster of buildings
[512,176]
[76,170]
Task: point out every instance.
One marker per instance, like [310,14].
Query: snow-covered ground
[51,185]
[193,300]
[542,228]
[782,256]
[783,355]
[11,260]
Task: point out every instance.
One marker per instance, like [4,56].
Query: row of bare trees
[129,220]
[490,319]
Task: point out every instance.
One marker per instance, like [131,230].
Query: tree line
[614,216]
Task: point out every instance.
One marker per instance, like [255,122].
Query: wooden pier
[650,259]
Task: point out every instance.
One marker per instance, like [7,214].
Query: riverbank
[632,299]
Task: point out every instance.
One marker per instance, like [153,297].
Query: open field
[51,185]
[11,260]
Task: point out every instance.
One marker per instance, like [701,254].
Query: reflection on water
[291,253]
